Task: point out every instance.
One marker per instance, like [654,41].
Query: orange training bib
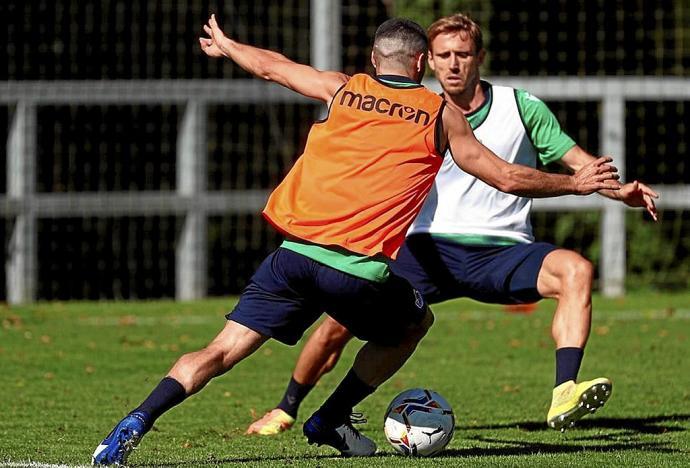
[365,170]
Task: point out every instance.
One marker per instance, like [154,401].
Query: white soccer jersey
[463,206]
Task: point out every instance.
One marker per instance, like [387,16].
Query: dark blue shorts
[290,291]
[443,270]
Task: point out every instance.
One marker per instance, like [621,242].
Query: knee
[193,370]
[332,334]
[217,357]
[580,273]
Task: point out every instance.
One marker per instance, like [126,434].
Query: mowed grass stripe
[463,314]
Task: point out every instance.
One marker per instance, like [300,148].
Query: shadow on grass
[511,448]
[601,443]
[521,447]
[648,425]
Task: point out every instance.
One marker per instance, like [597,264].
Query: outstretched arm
[476,159]
[634,194]
[272,66]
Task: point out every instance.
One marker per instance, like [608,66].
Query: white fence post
[192,246]
[325,35]
[612,266]
[21,184]
[325,39]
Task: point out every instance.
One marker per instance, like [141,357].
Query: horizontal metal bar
[144,203]
[149,203]
[671,197]
[242,91]
[587,88]
[239,91]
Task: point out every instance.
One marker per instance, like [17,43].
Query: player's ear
[373,59]
[421,62]
[420,66]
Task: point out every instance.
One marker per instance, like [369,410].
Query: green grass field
[70,371]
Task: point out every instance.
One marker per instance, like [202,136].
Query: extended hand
[595,176]
[212,45]
[637,194]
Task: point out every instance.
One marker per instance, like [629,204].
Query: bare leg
[375,364]
[234,343]
[567,277]
[321,353]
[189,375]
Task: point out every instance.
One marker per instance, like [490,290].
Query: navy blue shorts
[290,291]
[442,270]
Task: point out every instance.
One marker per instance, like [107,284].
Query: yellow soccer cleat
[272,423]
[572,401]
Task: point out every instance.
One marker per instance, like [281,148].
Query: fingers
[650,206]
[647,190]
[607,176]
[600,165]
[653,213]
[606,168]
[211,29]
[647,197]
[602,160]
[214,25]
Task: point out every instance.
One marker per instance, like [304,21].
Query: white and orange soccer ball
[419,422]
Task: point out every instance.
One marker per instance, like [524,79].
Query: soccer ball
[419,422]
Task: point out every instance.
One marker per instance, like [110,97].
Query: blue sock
[168,393]
[294,394]
[337,408]
[568,362]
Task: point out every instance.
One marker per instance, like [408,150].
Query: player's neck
[469,100]
[393,71]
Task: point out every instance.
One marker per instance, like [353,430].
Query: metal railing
[195,204]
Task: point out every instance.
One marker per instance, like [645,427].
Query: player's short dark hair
[411,35]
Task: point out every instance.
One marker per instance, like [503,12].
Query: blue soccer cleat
[115,448]
[344,438]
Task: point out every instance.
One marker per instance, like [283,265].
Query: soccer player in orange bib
[345,208]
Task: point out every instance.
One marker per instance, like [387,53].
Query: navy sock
[351,391]
[168,393]
[568,362]
[294,394]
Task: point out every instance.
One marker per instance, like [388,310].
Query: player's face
[455,62]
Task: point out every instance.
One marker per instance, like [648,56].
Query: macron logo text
[371,103]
